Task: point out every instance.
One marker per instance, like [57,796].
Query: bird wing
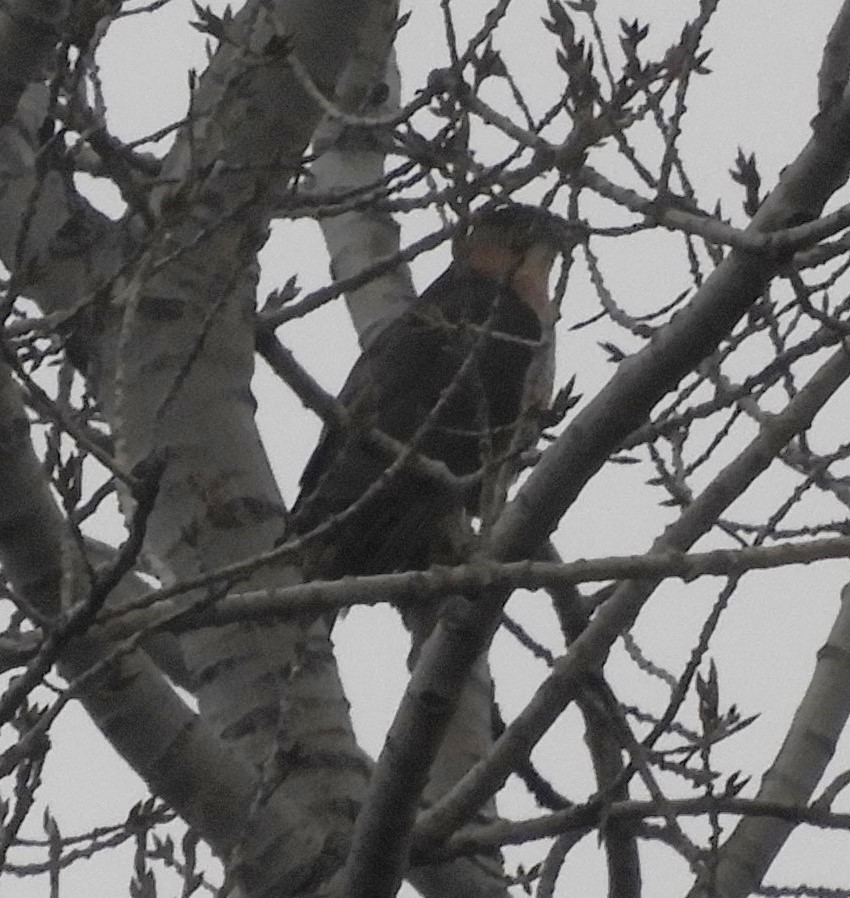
[395,385]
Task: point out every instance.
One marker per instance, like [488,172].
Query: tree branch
[157,610]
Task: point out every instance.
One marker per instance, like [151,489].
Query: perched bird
[460,377]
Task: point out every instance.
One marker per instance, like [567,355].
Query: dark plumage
[480,338]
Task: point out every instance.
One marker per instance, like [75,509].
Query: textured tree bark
[271,692]
[138,711]
[169,352]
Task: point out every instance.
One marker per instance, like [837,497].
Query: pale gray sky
[761,98]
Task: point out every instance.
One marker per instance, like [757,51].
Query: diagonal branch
[382,838]
[619,612]
[138,711]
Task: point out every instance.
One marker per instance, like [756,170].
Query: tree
[129,350]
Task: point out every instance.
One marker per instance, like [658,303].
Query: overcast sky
[760,97]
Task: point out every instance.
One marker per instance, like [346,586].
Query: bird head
[515,245]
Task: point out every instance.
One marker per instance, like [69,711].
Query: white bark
[798,767]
